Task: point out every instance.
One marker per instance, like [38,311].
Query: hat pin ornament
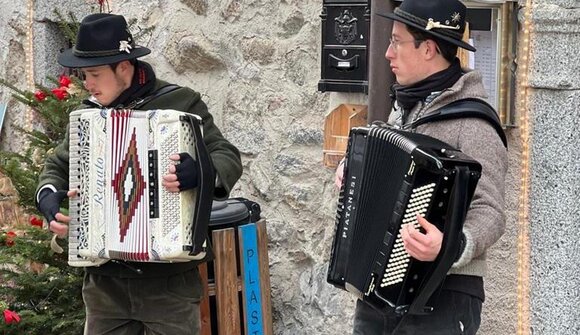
[125,46]
[436,24]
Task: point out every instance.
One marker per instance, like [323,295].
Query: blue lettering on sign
[253,293]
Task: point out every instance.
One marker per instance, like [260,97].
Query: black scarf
[142,85]
[408,96]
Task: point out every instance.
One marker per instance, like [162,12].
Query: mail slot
[345,41]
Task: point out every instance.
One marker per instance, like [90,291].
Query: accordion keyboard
[399,261]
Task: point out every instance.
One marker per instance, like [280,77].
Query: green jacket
[225,157]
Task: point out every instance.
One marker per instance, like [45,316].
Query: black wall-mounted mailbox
[345,45]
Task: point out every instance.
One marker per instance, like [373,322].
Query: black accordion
[390,177]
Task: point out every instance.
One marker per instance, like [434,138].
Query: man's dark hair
[447,50]
[113,66]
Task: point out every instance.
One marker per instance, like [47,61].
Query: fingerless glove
[49,203]
[186,172]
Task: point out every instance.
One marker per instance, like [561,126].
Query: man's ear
[432,50]
[124,65]
[125,69]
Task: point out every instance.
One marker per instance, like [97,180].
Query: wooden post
[226,282]
[204,310]
[380,76]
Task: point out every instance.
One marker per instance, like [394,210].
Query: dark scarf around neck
[408,96]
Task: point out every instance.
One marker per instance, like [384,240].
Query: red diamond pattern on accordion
[128,186]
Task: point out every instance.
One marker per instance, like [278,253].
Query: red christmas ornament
[40,95]
[11,317]
[10,238]
[36,221]
[60,93]
[64,81]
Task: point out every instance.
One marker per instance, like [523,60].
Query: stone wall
[12,58]
[256,63]
[555,165]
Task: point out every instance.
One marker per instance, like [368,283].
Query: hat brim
[453,41]
[68,59]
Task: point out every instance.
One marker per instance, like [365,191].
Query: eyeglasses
[395,44]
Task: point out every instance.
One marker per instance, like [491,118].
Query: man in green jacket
[127,297]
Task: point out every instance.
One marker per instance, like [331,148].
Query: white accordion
[122,211]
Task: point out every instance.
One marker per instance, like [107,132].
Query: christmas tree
[51,108]
[39,292]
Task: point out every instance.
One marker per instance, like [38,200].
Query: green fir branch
[70,27]
[15,89]
[47,299]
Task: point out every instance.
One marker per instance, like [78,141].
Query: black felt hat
[444,19]
[102,39]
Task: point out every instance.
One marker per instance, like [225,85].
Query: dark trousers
[135,306]
[454,313]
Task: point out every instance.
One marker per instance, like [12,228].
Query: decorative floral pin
[455,17]
[125,46]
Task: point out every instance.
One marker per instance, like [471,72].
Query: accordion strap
[464,108]
[206,184]
[161,91]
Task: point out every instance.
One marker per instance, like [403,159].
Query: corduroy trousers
[164,305]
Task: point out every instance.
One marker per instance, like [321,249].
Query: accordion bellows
[390,177]
[117,161]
